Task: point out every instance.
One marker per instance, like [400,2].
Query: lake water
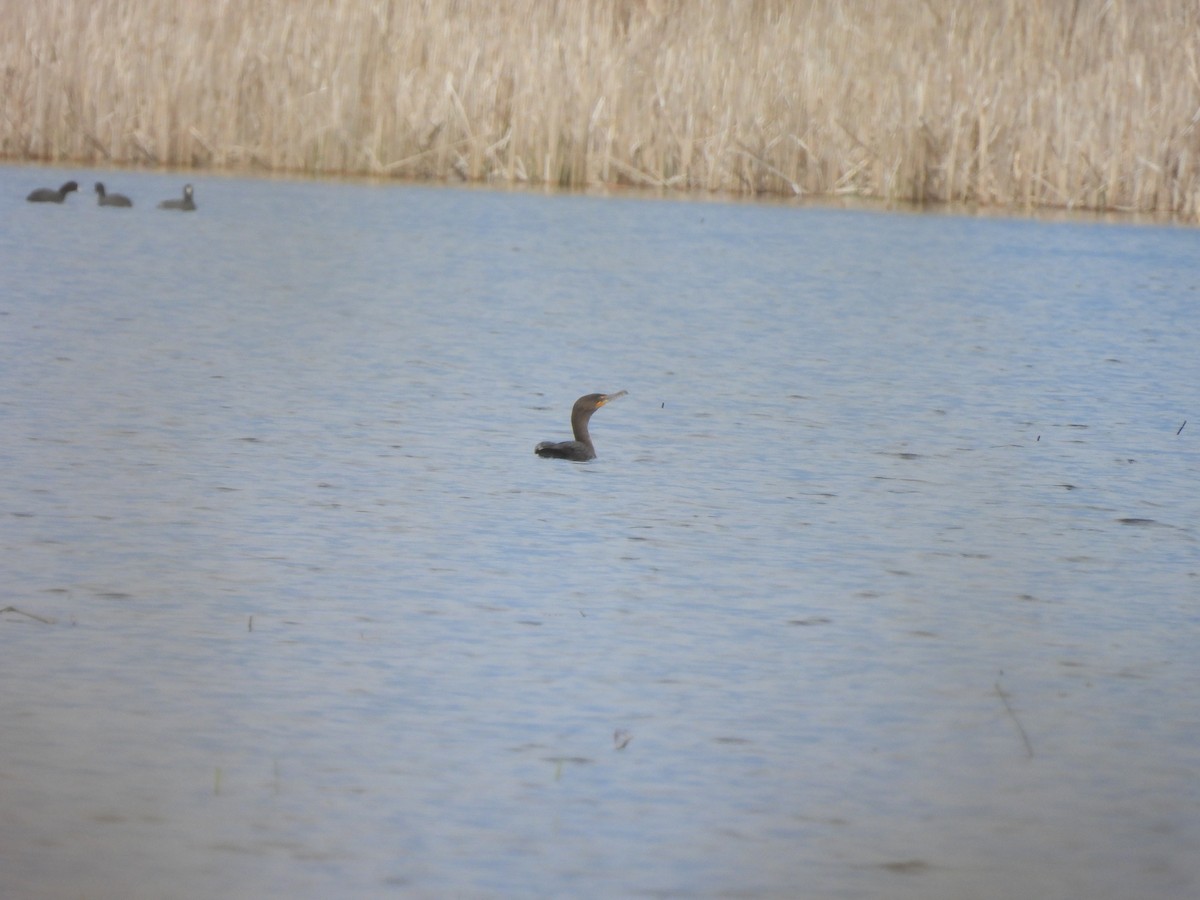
[884,583]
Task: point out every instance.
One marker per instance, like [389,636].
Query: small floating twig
[1000,692]
[1181,428]
[21,612]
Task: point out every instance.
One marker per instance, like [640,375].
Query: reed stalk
[1014,103]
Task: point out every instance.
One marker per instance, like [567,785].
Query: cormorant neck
[579,425]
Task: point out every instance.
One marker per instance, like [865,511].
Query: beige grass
[1026,103]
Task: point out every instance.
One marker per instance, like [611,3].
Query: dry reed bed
[1006,102]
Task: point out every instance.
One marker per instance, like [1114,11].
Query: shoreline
[998,104]
[837,203]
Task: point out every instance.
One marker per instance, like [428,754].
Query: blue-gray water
[884,583]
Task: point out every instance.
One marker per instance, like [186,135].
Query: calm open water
[884,584]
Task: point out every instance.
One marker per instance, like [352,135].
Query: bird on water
[187,204]
[104,198]
[50,195]
[581,449]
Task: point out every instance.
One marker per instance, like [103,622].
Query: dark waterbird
[104,198]
[187,204]
[50,195]
[581,449]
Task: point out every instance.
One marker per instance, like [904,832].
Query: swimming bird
[50,195]
[581,449]
[103,198]
[187,204]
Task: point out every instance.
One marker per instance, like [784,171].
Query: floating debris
[21,612]
[1003,695]
[907,866]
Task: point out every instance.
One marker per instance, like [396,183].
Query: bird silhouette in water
[50,195]
[187,204]
[104,198]
[581,449]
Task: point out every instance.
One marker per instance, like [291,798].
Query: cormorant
[580,449]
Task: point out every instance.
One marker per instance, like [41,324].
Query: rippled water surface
[884,582]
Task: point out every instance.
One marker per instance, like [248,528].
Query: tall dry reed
[1029,103]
